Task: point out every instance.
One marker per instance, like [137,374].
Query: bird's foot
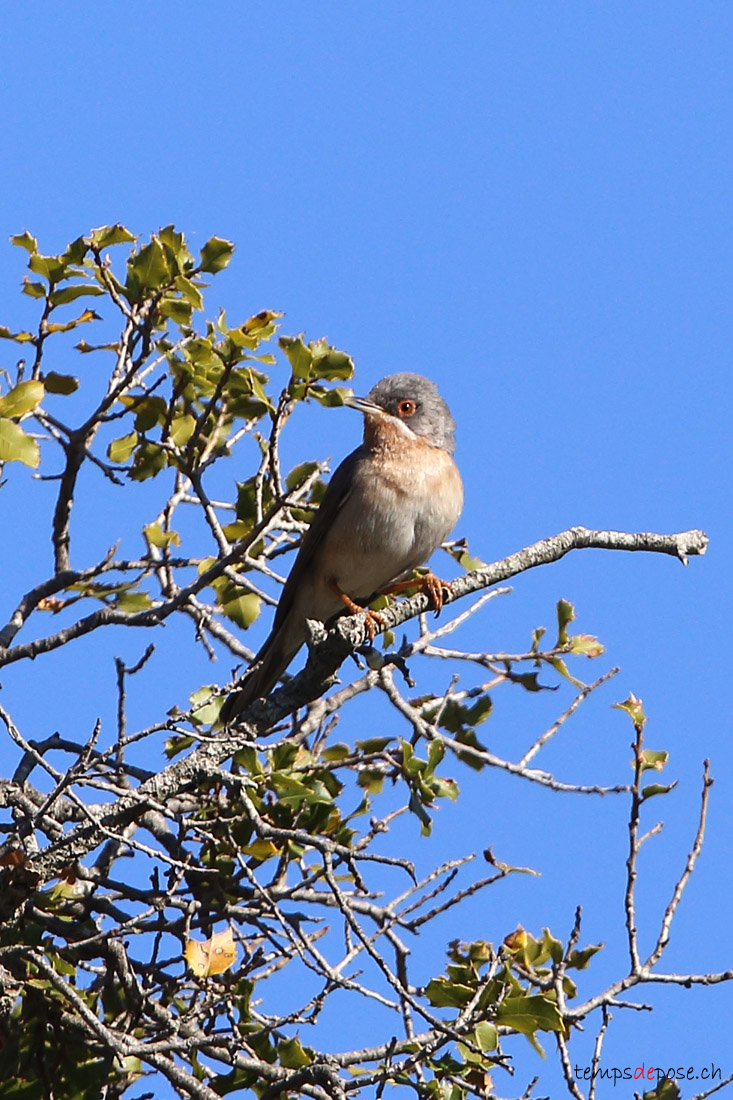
[373,621]
[428,583]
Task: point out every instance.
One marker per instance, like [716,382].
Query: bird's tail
[261,677]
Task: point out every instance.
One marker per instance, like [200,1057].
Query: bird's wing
[337,493]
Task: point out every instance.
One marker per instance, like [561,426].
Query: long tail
[262,675]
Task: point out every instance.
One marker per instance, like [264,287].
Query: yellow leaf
[261,320]
[212,956]
[87,315]
[261,849]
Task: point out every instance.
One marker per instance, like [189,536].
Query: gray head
[414,401]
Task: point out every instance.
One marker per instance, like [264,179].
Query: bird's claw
[373,623]
[435,587]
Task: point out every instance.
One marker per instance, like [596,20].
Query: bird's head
[412,402]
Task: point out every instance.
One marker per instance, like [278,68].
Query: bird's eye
[406,408]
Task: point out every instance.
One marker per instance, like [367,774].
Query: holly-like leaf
[665,1090]
[243,610]
[149,461]
[292,1055]
[190,291]
[586,645]
[33,290]
[635,709]
[156,536]
[444,993]
[148,269]
[653,760]
[107,235]
[579,959]
[19,337]
[216,255]
[71,293]
[528,1014]
[176,309]
[52,268]
[82,319]
[25,240]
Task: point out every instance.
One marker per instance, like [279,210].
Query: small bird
[388,506]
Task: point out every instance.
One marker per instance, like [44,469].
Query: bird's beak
[363,406]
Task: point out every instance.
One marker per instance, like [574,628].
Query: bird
[387,507]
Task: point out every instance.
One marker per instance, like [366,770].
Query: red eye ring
[406,408]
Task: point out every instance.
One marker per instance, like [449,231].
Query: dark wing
[336,495]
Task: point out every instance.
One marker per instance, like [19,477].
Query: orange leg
[429,583]
[373,622]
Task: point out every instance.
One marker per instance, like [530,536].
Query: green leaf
[149,461]
[559,665]
[292,1055]
[22,399]
[74,253]
[71,293]
[120,449]
[216,255]
[60,383]
[299,474]
[528,1014]
[579,959]
[565,615]
[51,267]
[656,788]
[177,309]
[149,411]
[329,363]
[374,744]
[334,398]
[155,534]
[107,235]
[148,268]
[299,356]
[133,602]
[665,1090]
[634,708]
[208,713]
[243,610]
[653,759]
[334,753]
[33,290]
[16,446]
[370,780]
[444,993]
[485,1036]
[190,292]
[182,429]
[179,258]
[586,645]
[468,562]
[25,240]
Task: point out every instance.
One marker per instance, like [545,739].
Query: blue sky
[530,204]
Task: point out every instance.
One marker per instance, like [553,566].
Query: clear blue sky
[530,203]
